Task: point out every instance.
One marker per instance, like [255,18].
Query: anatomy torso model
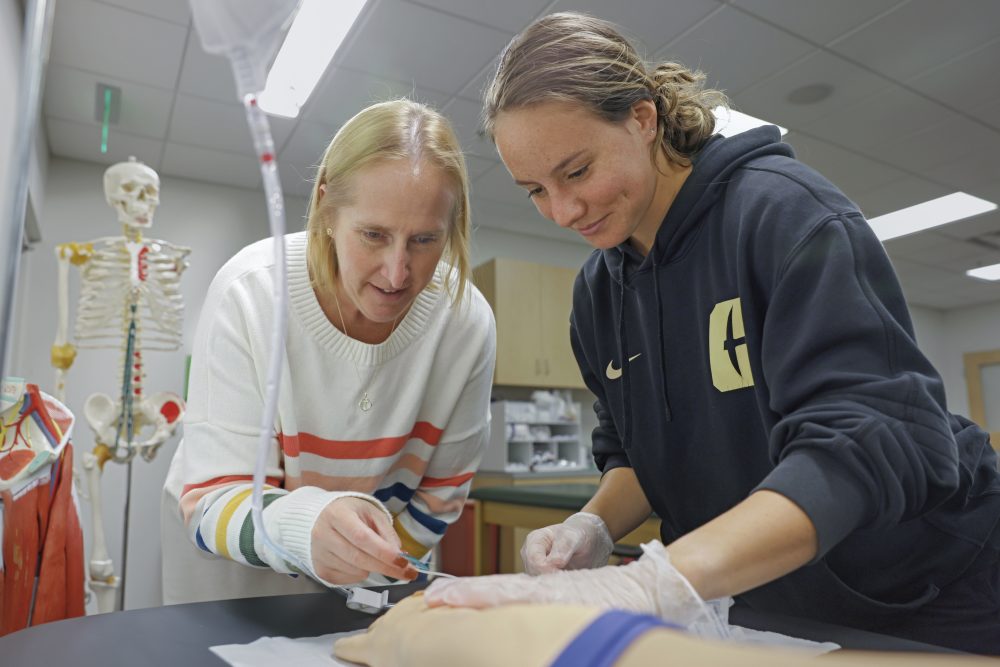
[130,300]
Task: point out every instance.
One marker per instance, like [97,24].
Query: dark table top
[181,634]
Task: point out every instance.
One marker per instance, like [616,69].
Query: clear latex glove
[353,537]
[650,585]
[412,634]
[580,542]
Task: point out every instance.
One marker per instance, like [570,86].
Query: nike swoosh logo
[615,373]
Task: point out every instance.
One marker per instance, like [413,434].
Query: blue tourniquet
[606,638]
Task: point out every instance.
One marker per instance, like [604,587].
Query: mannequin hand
[650,585]
[352,537]
[412,634]
[580,542]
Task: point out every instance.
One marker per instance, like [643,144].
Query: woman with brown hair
[757,378]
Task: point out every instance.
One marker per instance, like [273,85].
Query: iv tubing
[264,147]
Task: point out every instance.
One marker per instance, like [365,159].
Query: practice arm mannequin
[534,635]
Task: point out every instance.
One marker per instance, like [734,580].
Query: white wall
[490,242]
[945,336]
[215,221]
[967,330]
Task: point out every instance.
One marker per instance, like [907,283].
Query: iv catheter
[249,34]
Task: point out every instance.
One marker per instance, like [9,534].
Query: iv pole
[34,55]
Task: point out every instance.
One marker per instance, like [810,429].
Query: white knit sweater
[415,450]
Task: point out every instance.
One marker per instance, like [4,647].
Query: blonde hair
[395,130]
[571,57]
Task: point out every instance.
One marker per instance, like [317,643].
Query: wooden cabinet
[532,303]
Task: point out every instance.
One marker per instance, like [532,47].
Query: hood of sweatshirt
[711,169]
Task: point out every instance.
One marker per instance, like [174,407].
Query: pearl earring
[329,232]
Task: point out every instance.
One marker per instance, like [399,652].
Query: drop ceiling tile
[954,139]
[70,95]
[387,45]
[902,193]
[905,247]
[474,89]
[206,75]
[207,124]
[307,143]
[83,142]
[920,276]
[964,82]
[965,292]
[889,114]
[817,20]
[770,98]
[296,179]
[464,116]
[851,172]
[985,225]
[344,92]
[978,167]
[114,42]
[647,24]
[712,47]
[509,16]
[175,11]
[989,113]
[213,166]
[950,254]
[919,35]
[985,257]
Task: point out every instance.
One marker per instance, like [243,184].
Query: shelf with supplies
[528,437]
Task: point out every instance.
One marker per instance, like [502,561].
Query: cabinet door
[511,287]
[556,287]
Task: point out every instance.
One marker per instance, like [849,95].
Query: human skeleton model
[130,300]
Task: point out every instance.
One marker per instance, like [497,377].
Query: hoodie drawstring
[659,337]
[623,356]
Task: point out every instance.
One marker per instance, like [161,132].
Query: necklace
[365,403]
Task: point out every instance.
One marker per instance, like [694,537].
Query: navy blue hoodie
[764,343]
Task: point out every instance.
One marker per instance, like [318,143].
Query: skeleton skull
[132,189]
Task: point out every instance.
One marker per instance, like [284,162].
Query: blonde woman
[384,404]
[758,381]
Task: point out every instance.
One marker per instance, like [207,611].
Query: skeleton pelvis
[110,421]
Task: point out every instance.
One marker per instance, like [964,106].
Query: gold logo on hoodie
[727,347]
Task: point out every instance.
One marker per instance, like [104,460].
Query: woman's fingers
[348,531]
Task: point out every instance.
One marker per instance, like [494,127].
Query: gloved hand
[650,585]
[353,537]
[412,634]
[580,542]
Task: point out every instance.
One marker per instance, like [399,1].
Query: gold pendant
[364,403]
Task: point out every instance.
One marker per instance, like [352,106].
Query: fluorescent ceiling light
[317,31]
[729,122]
[991,272]
[931,213]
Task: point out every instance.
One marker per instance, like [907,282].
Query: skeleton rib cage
[109,290]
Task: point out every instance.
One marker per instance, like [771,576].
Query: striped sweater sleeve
[217,514]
